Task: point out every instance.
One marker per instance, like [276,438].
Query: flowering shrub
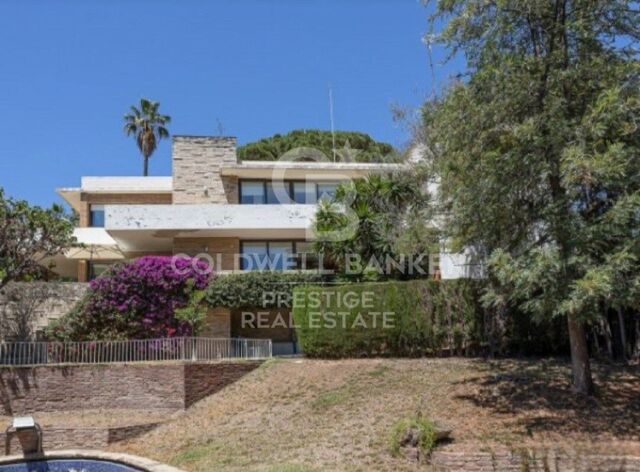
[135,300]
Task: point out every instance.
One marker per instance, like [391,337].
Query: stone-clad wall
[196,169]
[59,298]
[148,386]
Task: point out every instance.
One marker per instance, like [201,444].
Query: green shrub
[424,317]
[264,289]
[422,427]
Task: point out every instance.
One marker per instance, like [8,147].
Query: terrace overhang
[300,170]
[74,196]
[153,227]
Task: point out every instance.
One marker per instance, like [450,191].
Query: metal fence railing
[166,349]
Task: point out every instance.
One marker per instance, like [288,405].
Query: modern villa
[241,214]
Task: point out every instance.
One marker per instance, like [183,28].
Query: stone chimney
[197,161]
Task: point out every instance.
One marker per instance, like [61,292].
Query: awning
[94,244]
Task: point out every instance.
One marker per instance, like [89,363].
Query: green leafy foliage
[428,318]
[306,144]
[194,312]
[418,426]
[28,235]
[376,221]
[537,154]
[265,289]
[425,317]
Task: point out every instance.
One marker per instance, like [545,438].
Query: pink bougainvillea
[135,300]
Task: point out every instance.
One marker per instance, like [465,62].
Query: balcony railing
[183,349]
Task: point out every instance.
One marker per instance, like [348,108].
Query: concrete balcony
[153,227]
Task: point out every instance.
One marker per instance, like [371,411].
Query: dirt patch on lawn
[302,415]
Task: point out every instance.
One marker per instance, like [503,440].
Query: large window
[255,255]
[260,192]
[304,192]
[277,255]
[97,216]
[252,192]
[278,192]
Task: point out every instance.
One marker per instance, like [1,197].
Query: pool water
[67,465]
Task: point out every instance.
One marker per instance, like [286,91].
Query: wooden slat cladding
[126,198]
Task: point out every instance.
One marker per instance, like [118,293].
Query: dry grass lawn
[308,415]
[94,418]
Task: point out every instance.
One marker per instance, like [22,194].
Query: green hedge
[264,289]
[429,317]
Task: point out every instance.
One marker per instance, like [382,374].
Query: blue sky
[70,69]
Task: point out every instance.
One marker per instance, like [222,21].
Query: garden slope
[301,415]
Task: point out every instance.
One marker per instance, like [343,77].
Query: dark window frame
[294,247]
[289,187]
[264,190]
[92,223]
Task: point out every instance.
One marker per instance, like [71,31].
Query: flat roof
[315,165]
[306,169]
[126,184]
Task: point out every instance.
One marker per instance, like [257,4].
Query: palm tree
[148,127]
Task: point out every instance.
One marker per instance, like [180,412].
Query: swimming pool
[67,465]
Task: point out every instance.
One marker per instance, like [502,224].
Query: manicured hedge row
[257,289]
[424,317]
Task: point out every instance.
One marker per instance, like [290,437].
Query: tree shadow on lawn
[537,393]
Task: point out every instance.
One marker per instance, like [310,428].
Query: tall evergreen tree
[538,154]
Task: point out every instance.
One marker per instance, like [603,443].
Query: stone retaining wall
[148,386]
[529,461]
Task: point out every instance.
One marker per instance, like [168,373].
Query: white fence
[147,350]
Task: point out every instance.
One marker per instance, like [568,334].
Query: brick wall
[58,438]
[196,169]
[543,461]
[202,380]
[149,386]
[217,323]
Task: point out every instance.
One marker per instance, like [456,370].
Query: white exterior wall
[459,266]
[204,217]
[126,184]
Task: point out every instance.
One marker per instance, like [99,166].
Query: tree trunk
[582,381]
[623,335]
[608,338]
[596,342]
[636,349]
[145,171]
